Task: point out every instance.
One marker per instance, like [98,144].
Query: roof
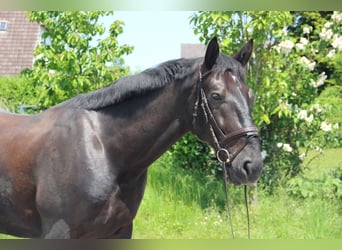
[192,50]
[18,38]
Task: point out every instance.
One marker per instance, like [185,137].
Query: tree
[13,91]
[318,24]
[285,78]
[69,60]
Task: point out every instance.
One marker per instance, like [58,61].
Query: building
[18,38]
[192,50]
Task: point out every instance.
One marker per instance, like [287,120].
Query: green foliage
[337,74]
[321,179]
[197,186]
[189,153]
[330,187]
[332,95]
[286,74]
[15,90]
[69,61]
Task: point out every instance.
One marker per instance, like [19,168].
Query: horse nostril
[247,167]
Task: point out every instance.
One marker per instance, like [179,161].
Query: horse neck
[143,128]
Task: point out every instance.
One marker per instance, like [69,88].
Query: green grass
[281,217]
[323,163]
[178,205]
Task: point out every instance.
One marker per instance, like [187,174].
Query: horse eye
[216,97]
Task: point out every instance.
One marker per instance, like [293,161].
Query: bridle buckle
[223,155]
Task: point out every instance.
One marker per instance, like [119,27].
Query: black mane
[148,80]
[135,85]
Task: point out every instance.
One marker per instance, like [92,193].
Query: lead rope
[248,221]
[225,176]
[228,204]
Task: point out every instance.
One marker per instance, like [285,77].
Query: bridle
[220,138]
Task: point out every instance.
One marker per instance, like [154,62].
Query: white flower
[323,76]
[307,63]
[309,119]
[316,84]
[318,149]
[325,126]
[320,81]
[314,51]
[40,56]
[300,46]
[263,154]
[326,34]
[304,41]
[337,16]
[302,114]
[286,46]
[302,156]
[306,30]
[336,126]
[284,31]
[327,24]
[337,42]
[287,147]
[331,53]
[316,107]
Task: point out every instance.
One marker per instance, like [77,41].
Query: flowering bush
[286,76]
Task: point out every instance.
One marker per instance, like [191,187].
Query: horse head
[222,113]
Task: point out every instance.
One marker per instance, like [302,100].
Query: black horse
[78,170]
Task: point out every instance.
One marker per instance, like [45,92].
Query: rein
[223,155]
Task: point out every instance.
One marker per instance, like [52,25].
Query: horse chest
[117,214]
[112,218]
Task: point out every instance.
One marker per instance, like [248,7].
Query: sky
[155,35]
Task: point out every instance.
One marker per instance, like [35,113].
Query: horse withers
[78,169]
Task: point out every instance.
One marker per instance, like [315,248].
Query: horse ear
[245,53]
[211,53]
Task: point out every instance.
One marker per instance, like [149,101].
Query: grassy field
[276,217]
[330,159]
[180,205]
